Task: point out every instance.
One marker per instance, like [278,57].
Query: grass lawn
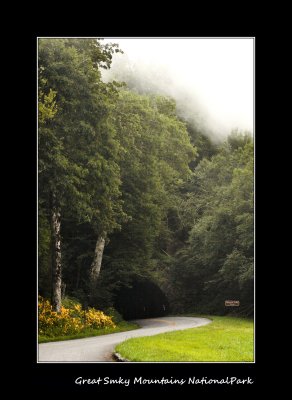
[121,327]
[224,339]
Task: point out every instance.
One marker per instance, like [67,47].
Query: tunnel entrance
[143,300]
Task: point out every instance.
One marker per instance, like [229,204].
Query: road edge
[119,358]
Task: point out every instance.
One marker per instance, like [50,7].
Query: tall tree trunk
[96,263]
[56,259]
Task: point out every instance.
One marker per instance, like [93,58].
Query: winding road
[100,348]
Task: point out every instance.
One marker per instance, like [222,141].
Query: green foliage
[175,206]
[114,314]
[155,153]
[77,146]
[47,105]
[78,153]
[44,253]
[70,302]
[237,139]
[217,262]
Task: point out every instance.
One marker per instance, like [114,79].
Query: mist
[211,79]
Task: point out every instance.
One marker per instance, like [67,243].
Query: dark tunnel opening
[144,299]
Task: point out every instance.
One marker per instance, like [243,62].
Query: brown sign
[232,303]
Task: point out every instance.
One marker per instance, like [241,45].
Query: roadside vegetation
[135,193]
[74,322]
[225,339]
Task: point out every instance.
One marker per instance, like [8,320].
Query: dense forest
[138,209]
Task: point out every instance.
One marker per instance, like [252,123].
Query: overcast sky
[217,73]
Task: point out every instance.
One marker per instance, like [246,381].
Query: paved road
[100,348]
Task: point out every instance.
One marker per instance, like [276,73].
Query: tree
[217,261]
[155,153]
[76,143]
[129,190]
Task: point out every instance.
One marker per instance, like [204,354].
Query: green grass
[120,327]
[224,339]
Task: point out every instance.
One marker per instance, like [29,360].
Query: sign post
[232,303]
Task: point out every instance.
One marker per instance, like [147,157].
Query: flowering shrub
[69,320]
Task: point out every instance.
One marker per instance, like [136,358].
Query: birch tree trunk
[56,259]
[96,263]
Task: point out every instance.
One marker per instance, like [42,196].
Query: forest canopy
[131,194]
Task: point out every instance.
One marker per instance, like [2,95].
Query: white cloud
[217,73]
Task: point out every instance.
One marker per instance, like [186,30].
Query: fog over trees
[137,194]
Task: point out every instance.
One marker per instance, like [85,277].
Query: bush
[69,320]
[114,314]
[70,302]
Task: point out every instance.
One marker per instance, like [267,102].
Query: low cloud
[210,79]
